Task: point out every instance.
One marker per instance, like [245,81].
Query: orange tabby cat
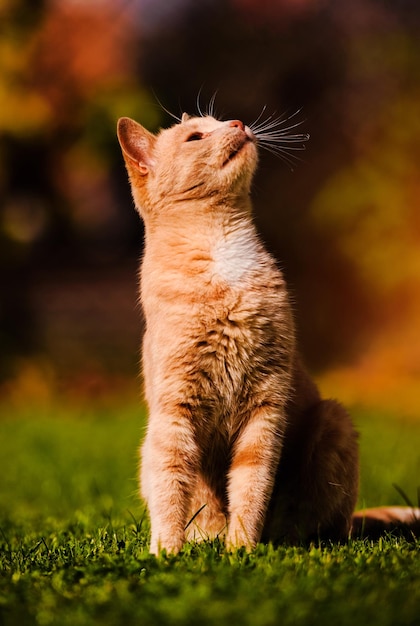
[239,443]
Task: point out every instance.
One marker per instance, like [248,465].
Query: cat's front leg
[251,476]
[168,474]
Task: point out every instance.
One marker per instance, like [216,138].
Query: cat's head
[199,158]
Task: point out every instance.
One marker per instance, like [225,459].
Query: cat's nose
[237,124]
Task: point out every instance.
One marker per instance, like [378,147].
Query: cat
[239,444]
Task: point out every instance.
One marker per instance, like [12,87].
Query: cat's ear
[185,117]
[137,144]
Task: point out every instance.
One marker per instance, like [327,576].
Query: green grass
[74,538]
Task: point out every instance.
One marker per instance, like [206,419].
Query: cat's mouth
[237,150]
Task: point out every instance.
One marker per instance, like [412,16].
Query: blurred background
[344,224]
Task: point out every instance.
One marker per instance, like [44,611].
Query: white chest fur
[234,255]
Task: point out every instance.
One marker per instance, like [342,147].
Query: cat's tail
[372,523]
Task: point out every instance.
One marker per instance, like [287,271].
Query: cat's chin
[241,162]
[244,141]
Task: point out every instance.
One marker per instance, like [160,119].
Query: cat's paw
[170,546]
[237,538]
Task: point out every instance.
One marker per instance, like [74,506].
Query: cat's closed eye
[195,137]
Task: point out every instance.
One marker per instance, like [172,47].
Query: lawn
[74,537]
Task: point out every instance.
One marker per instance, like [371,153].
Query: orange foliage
[66,80]
[78,47]
[385,377]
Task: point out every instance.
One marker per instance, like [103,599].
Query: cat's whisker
[285,153]
[277,122]
[283,137]
[284,147]
[281,150]
[284,117]
[267,123]
[175,117]
[293,147]
[274,135]
[276,127]
[254,124]
[291,127]
[291,144]
[288,161]
[211,108]
[200,112]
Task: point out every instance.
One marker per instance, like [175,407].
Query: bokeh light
[344,225]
